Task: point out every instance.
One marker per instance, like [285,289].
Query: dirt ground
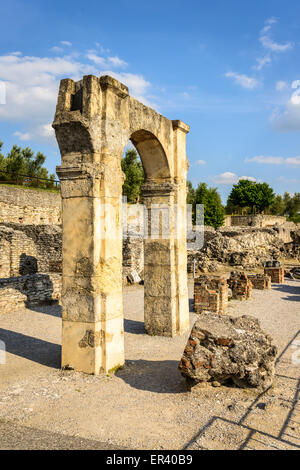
[145,405]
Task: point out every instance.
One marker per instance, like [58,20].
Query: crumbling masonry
[260,281]
[240,285]
[210,294]
[94,120]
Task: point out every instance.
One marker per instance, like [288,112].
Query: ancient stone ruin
[240,285]
[210,294]
[224,349]
[275,271]
[95,118]
[260,281]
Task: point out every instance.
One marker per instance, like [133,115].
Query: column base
[93,348]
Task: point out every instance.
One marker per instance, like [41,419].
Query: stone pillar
[91,183]
[161,302]
[180,168]
[276,274]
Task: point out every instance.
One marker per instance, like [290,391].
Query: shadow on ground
[249,436]
[154,376]
[286,289]
[34,349]
[294,291]
[17,437]
[52,309]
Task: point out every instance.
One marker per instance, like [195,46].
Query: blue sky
[229,69]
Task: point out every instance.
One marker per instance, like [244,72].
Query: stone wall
[260,281]
[245,247]
[29,290]
[210,294]
[28,249]
[276,274]
[259,220]
[28,206]
[133,256]
[240,285]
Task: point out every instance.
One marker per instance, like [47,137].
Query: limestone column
[180,170]
[160,293]
[91,182]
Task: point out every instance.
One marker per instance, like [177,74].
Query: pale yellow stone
[94,119]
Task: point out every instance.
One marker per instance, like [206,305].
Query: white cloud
[249,178]
[291,161]
[262,61]
[283,179]
[243,80]
[273,46]
[22,136]
[106,62]
[268,43]
[66,43]
[136,83]
[200,162]
[117,62]
[56,49]
[97,59]
[267,160]
[42,131]
[31,85]
[281,85]
[287,118]
[231,178]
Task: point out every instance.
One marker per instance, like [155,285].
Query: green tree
[264,196]
[213,209]
[190,199]
[248,194]
[2,163]
[134,174]
[20,163]
[293,205]
[278,206]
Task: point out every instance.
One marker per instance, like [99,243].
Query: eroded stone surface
[95,118]
[227,349]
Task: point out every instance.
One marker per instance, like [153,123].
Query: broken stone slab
[134,278]
[228,349]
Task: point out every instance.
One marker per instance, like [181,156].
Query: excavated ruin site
[207,353]
[147,404]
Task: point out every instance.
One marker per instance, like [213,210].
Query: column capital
[158,188]
[177,124]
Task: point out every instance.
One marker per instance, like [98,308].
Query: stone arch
[153,156]
[94,119]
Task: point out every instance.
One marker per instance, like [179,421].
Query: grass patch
[115,369]
[31,188]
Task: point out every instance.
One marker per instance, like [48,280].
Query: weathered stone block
[210,294]
[240,285]
[276,274]
[260,281]
[225,349]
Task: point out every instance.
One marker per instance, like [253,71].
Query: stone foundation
[260,281]
[240,285]
[227,349]
[28,249]
[133,256]
[210,294]
[29,290]
[276,274]
[28,206]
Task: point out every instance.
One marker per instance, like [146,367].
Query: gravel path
[145,405]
